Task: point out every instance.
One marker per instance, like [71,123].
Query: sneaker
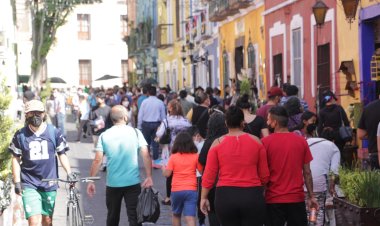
[156,164]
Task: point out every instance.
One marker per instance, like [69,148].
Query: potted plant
[361,205]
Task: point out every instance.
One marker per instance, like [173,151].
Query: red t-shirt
[287,153]
[184,174]
[239,161]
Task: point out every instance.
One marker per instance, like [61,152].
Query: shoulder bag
[166,137]
[345,132]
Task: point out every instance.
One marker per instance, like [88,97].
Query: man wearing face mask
[289,160]
[37,145]
[326,158]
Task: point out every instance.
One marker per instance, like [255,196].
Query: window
[2,39]
[85,72]
[252,59]
[177,19]
[124,70]
[226,68]
[297,58]
[170,21]
[83,26]
[124,25]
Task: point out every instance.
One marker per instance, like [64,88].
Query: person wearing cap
[332,115]
[37,144]
[274,97]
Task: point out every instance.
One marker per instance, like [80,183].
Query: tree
[6,126]
[47,17]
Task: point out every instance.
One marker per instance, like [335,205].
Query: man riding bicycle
[34,149]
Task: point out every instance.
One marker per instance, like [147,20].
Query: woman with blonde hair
[177,123]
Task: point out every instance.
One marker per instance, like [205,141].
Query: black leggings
[236,206]
[169,186]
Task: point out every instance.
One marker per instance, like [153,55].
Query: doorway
[239,64]
[323,70]
[277,70]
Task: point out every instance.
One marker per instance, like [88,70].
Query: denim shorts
[184,202]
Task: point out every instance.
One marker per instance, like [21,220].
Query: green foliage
[361,187]
[245,87]
[6,125]
[46,92]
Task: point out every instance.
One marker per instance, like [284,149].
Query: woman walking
[183,164]
[239,161]
[255,125]
[177,123]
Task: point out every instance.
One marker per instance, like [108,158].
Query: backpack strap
[316,142]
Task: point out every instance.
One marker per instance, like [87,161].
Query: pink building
[300,52]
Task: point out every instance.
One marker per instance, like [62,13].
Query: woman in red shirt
[239,161]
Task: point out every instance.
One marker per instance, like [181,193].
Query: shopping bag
[148,207]
[165,155]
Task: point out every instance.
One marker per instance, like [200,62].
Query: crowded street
[189,112]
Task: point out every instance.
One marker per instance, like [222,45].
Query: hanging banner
[187,28]
[194,28]
[203,23]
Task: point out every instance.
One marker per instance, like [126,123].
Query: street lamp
[350,7]
[319,11]
[193,60]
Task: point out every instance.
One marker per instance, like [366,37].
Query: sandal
[167,202]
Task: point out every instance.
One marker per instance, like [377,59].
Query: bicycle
[74,213]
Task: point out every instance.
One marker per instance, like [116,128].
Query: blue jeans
[61,122]
[149,130]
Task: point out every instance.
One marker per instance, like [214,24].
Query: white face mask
[125,103]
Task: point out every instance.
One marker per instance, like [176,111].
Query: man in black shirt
[367,129]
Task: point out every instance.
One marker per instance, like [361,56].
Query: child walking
[183,164]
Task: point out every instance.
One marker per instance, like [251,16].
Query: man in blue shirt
[121,144]
[151,114]
[34,149]
[142,97]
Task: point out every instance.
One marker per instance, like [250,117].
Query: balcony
[221,9]
[218,10]
[162,36]
[240,4]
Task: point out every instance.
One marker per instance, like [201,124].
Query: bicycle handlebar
[83,179]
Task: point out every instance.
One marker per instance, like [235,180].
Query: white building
[90,45]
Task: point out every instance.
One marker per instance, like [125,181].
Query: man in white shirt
[326,159]
[60,110]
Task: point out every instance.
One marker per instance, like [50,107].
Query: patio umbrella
[55,80]
[106,77]
[148,81]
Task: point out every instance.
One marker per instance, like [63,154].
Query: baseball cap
[34,105]
[275,91]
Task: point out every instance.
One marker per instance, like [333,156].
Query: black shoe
[84,136]
[104,168]
[166,203]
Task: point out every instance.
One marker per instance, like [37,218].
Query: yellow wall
[348,45]
[172,53]
[253,25]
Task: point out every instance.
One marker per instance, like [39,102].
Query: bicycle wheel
[70,213]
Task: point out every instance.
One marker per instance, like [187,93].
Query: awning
[23,79]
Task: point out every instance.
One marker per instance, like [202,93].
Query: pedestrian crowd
[222,159]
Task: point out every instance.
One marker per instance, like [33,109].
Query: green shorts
[38,202]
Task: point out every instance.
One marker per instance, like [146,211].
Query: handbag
[345,132]
[166,137]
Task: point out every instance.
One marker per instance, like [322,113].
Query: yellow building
[358,42]
[242,46]
[170,36]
